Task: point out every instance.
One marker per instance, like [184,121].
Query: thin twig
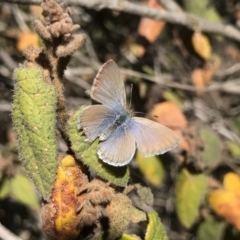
[181,18]
[5,106]
[19,19]
[231,86]
[7,60]
[90,49]
[229,71]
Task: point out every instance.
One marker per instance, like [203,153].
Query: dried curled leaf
[201,45]
[202,76]
[57,24]
[149,28]
[102,201]
[88,154]
[34,120]
[27,38]
[226,202]
[60,217]
[98,195]
[119,212]
[168,114]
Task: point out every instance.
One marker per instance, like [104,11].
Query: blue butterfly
[120,133]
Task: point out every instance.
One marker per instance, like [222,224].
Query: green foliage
[87,153]
[5,188]
[129,237]
[34,121]
[173,97]
[152,168]
[138,216]
[212,147]
[202,9]
[20,188]
[234,148]
[23,191]
[211,229]
[155,229]
[145,194]
[190,190]
[236,122]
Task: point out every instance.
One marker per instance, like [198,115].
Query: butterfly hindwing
[152,138]
[119,148]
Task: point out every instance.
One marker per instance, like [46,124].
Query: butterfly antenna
[130,102]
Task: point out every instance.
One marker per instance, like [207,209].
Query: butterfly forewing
[119,148]
[108,87]
[95,119]
[152,138]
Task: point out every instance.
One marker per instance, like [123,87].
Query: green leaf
[236,122]
[152,168]
[234,148]
[138,215]
[23,191]
[211,229]
[145,194]
[5,188]
[212,153]
[87,153]
[173,97]
[203,9]
[129,237]
[155,229]
[148,70]
[34,120]
[190,190]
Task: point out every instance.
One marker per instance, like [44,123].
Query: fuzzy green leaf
[155,229]
[190,190]
[87,153]
[34,120]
